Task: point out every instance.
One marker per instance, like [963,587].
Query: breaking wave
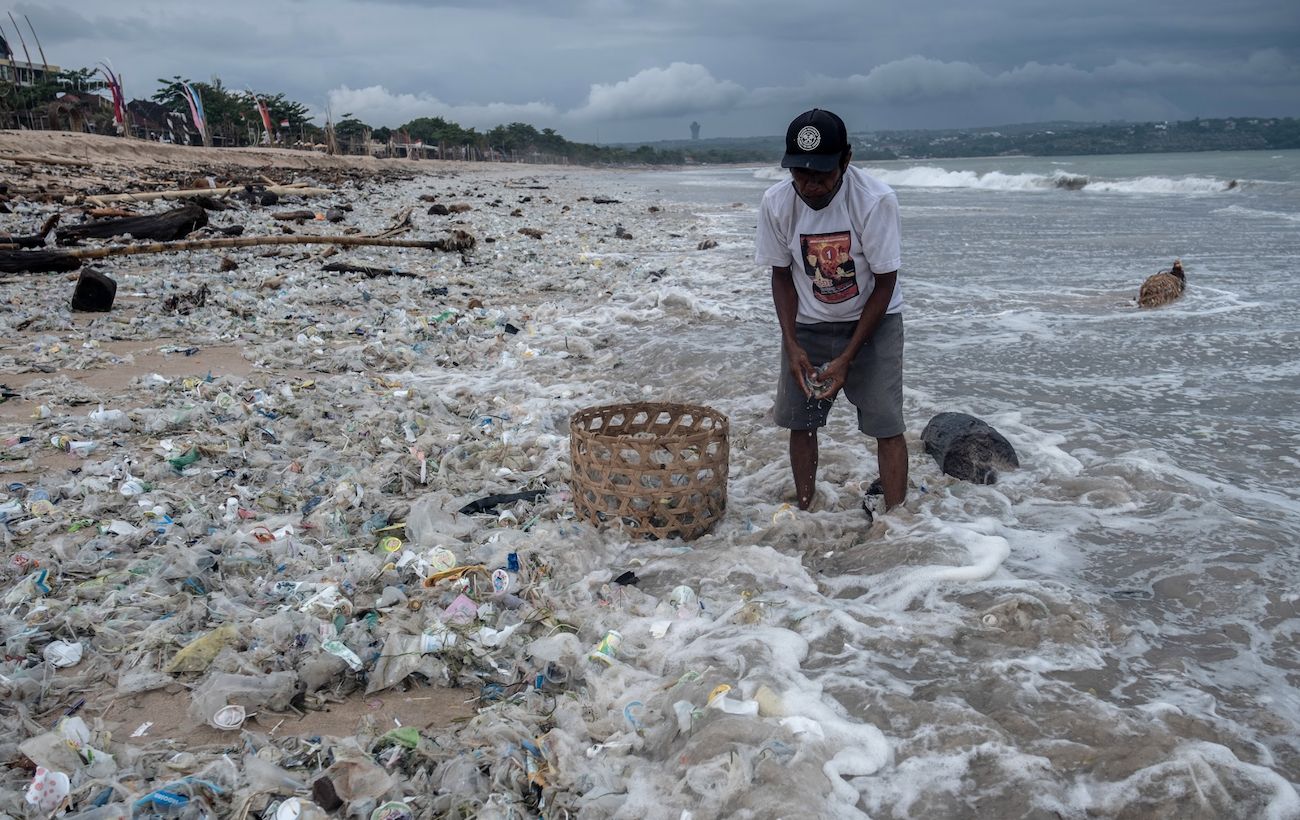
[1258,213]
[929,176]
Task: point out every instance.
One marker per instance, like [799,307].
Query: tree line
[73,100]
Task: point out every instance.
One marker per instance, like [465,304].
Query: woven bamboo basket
[656,470]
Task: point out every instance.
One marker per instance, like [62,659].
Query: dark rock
[325,795]
[95,292]
[968,448]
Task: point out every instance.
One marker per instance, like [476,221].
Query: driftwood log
[162,227]
[39,261]
[190,193]
[36,240]
[66,260]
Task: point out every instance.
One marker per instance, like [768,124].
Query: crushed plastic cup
[63,653]
[38,502]
[48,790]
[326,601]
[131,486]
[607,650]
[229,717]
[392,811]
[718,700]
[500,582]
[684,600]
[390,544]
[441,559]
[295,808]
[816,385]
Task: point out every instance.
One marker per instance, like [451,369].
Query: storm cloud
[616,70]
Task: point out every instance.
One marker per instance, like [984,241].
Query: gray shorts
[874,384]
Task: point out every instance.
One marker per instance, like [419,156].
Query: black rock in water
[968,448]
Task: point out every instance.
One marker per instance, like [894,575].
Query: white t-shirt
[833,253]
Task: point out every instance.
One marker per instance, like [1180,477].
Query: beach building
[20,72]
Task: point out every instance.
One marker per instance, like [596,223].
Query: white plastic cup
[685,601]
[229,718]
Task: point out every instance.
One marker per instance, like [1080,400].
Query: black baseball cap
[815,140]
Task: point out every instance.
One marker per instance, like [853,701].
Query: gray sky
[626,70]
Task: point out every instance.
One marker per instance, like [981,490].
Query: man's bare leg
[891,455]
[803,463]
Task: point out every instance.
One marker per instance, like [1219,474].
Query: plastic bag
[198,654]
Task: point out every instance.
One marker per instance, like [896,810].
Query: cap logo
[809,138]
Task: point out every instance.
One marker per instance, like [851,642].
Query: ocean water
[1110,630]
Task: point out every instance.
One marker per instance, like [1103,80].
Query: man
[831,236]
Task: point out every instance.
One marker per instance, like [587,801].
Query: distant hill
[1032,139]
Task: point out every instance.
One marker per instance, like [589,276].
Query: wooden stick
[64,260]
[368,271]
[280,190]
[460,241]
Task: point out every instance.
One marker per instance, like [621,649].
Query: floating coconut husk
[1163,287]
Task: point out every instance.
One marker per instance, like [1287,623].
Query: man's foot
[873,504]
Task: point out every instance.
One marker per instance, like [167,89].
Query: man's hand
[801,369]
[832,377]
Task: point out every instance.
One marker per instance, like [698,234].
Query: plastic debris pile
[358,509]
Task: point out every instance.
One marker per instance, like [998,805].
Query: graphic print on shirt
[828,264]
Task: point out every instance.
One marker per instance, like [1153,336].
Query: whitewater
[1108,631]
